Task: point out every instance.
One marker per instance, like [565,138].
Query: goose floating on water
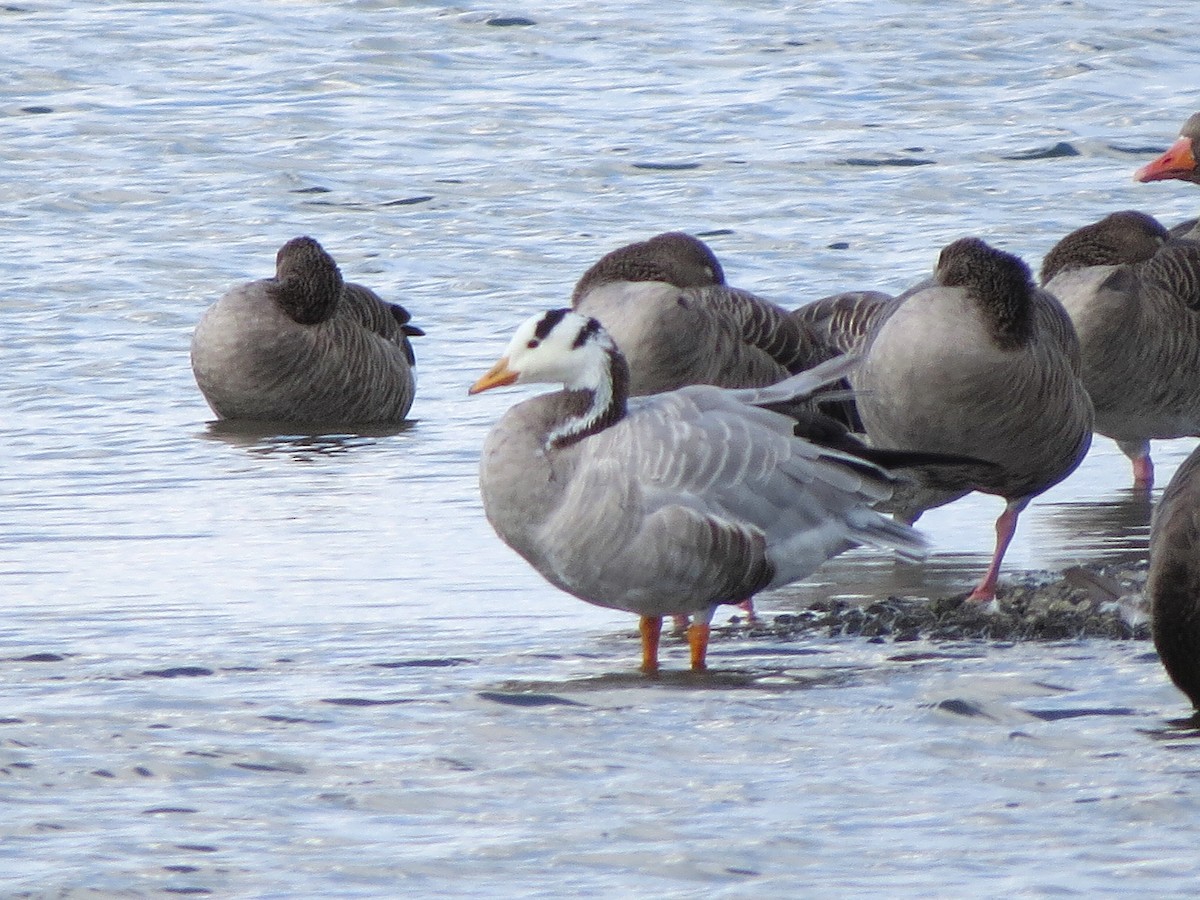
[305,347]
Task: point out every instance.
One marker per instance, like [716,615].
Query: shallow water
[252,664]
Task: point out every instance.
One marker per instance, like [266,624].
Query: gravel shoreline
[1080,602]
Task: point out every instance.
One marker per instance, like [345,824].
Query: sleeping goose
[673,503]
[982,364]
[1133,295]
[305,347]
[665,303]
[1173,581]
[1178,162]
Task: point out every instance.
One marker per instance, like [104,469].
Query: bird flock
[707,444]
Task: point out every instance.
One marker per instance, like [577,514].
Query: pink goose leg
[1006,526]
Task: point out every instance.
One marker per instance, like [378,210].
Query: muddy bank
[1081,602]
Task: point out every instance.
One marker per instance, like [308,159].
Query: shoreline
[1087,601]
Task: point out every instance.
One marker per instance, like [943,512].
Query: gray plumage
[673,503]
[1173,581]
[1133,295]
[667,306]
[842,321]
[305,347]
[981,364]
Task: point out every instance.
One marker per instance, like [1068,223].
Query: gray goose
[305,347]
[668,504]
[1173,582]
[979,363]
[1178,162]
[665,303]
[1133,295]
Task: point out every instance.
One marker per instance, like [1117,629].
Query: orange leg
[651,629]
[698,643]
[698,635]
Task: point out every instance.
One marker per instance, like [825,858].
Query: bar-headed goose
[1178,162]
[978,363]
[673,503]
[304,347]
[1173,582]
[1133,295]
[665,303]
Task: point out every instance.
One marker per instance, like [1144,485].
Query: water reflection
[1111,531]
[272,438]
[772,678]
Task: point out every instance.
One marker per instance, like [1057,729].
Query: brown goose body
[304,347]
[665,302]
[1173,581]
[1133,294]
[980,364]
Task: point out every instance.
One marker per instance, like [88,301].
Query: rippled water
[247,664]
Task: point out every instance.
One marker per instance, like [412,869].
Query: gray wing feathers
[842,322]
[700,456]
[605,548]
[387,320]
[799,386]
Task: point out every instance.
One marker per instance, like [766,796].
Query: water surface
[251,664]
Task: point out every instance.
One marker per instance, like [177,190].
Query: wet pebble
[1082,602]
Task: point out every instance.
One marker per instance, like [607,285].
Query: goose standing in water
[304,347]
[673,503]
[665,303]
[978,363]
[1173,582]
[1178,162]
[1133,295]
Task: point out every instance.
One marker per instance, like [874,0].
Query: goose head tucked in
[674,258]
[307,283]
[666,304]
[980,363]
[1118,239]
[674,503]
[305,347]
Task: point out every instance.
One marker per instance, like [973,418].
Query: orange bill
[498,375]
[1177,162]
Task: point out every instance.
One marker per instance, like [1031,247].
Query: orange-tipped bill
[498,375]
[1178,162]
